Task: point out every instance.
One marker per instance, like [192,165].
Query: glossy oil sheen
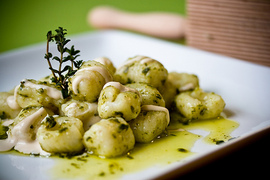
[173,147]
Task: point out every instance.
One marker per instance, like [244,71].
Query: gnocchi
[7,112]
[109,109]
[109,137]
[149,94]
[106,62]
[183,81]
[38,93]
[61,134]
[176,83]
[85,111]
[117,100]
[23,131]
[142,69]
[198,104]
[150,123]
[88,81]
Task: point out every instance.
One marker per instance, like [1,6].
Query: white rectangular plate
[244,86]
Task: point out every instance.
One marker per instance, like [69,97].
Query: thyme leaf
[61,75]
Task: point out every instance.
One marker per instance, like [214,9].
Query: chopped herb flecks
[182,150]
[50,122]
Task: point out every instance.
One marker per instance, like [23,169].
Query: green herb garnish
[3,131]
[182,150]
[123,127]
[50,122]
[61,75]
[145,71]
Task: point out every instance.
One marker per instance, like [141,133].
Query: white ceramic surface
[245,88]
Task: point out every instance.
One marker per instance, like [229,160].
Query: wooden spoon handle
[159,24]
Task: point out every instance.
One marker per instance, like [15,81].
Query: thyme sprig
[61,75]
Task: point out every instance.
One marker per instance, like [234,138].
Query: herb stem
[68,71]
[60,62]
[48,58]
[71,64]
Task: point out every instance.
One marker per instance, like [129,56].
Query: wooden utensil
[235,28]
[159,24]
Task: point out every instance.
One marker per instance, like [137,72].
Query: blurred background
[28,21]
[237,28]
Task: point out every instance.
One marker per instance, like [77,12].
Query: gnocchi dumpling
[38,93]
[88,81]
[176,83]
[117,100]
[22,132]
[150,123]
[149,94]
[106,62]
[109,137]
[142,69]
[198,104]
[183,81]
[168,93]
[85,111]
[6,112]
[61,134]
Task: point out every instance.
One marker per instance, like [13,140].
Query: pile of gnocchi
[108,112]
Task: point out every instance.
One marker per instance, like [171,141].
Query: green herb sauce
[175,146]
